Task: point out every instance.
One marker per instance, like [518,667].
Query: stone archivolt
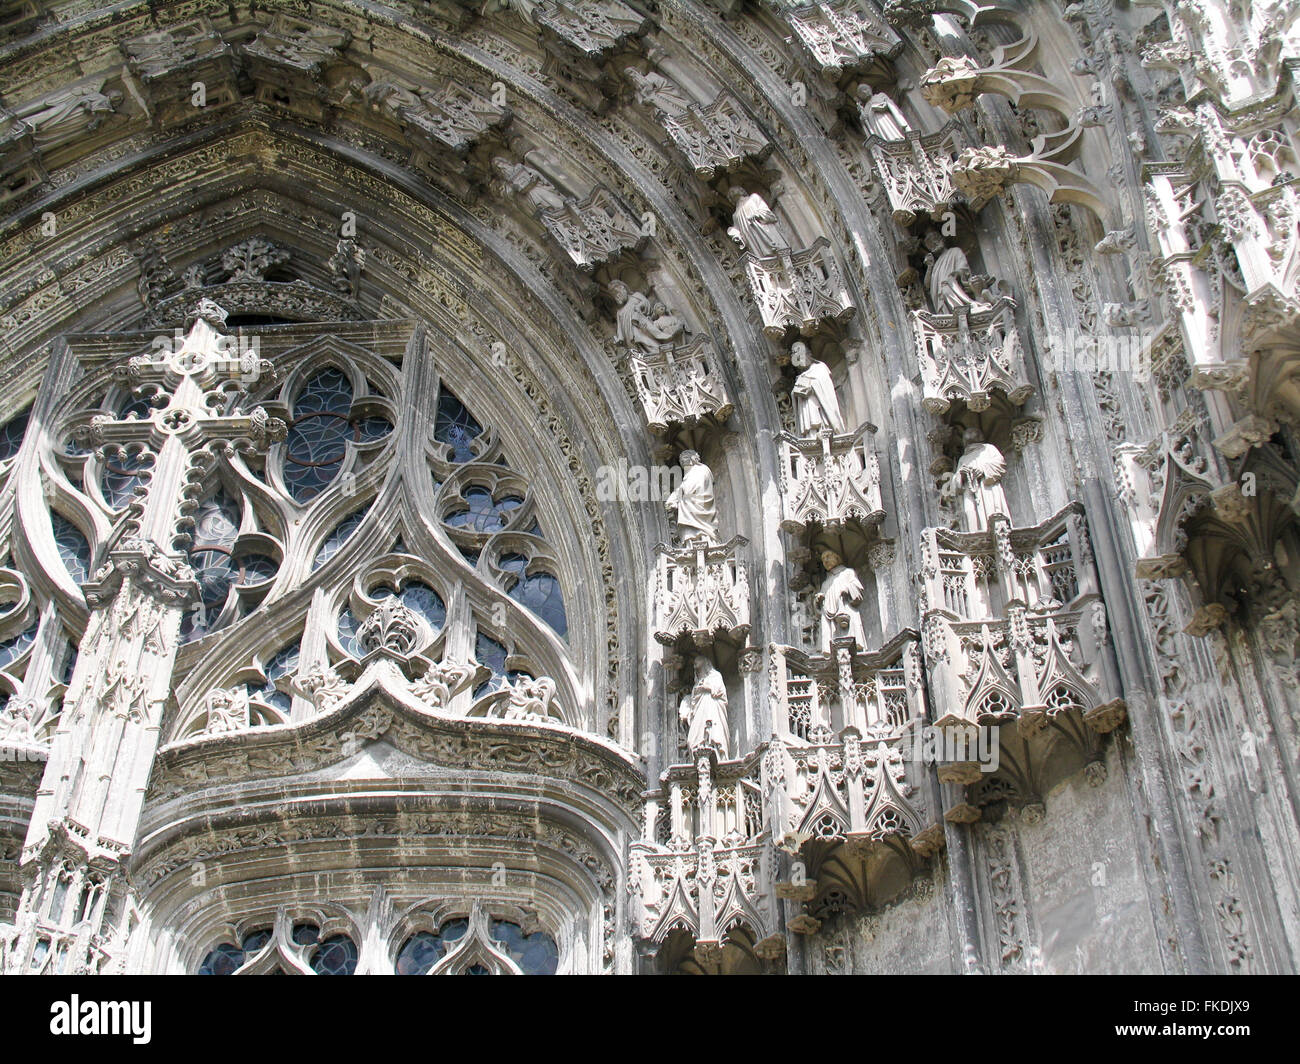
[310,580]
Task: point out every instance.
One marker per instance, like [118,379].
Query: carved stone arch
[888,811]
[679,913]
[476,950]
[827,817]
[735,918]
[1058,672]
[994,695]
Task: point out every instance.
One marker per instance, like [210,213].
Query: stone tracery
[576,242]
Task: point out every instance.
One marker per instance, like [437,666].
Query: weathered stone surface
[685,487]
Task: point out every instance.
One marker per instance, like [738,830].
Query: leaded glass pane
[11,435]
[455,426]
[73,547]
[337,538]
[483,513]
[222,961]
[123,473]
[12,649]
[337,955]
[317,440]
[538,591]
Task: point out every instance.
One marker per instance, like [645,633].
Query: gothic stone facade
[621,486]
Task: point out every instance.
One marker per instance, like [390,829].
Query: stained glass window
[455,426]
[421,598]
[337,955]
[317,440]
[12,649]
[483,513]
[283,663]
[216,525]
[74,549]
[538,591]
[222,961]
[319,435]
[348,632]
[123,473]
[12,433]
[337,537]
[306,934]
[536,954]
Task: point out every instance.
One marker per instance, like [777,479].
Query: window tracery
[473,944]
[284,949]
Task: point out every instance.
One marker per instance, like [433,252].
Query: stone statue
[881,116]
[838,602]
[63,115]
[657,91]
[816,405]
[345,266]
[530,699]
[948,278]
[227,711]
[693,502]
[705,710]
[639,325]
[979,480]
[754,226]
[18,719]
[524,180]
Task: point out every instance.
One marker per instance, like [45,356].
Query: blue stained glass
[424,949]
[484,513]
[329,390]
[426,602]
[222,961]
[369,429]
[215,574]
[11,435]
[455,426]
[337,538]
[417,596]
[306,934]
[136,405]
[11,650]
[216,526]
[255,940]
[123,473]
[74,549]
[337,955]
[420,953]
[216,522]
[536,954]
[348,632]
[538,591]
[317,440]
[490,653]
[254,568]
[283,663]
